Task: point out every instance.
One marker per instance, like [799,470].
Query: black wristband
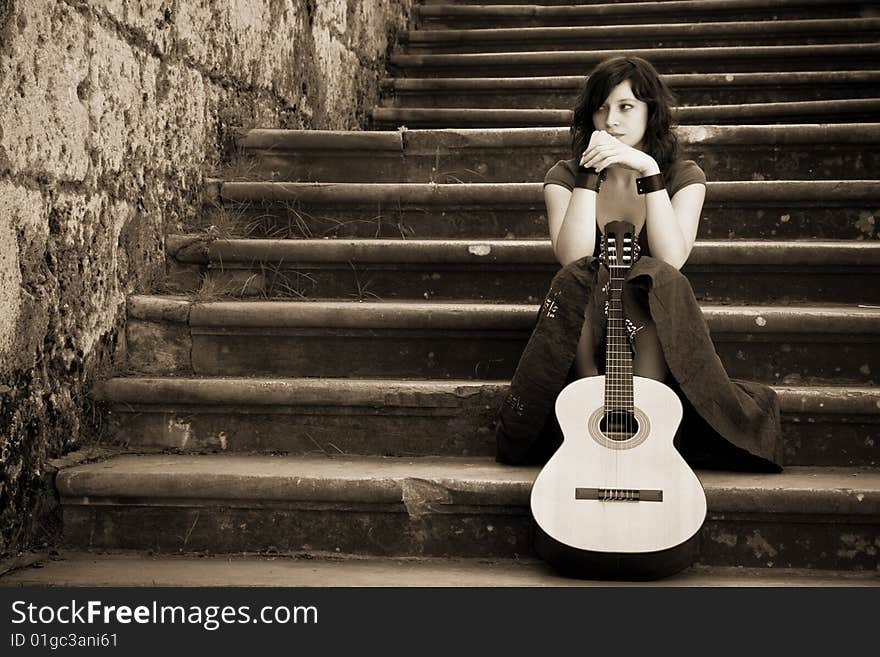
[587,178]
[650,183]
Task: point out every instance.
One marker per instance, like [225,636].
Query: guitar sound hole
[619,425]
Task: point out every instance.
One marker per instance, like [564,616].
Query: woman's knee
[585,354]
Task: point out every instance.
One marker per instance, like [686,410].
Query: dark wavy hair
[659,141]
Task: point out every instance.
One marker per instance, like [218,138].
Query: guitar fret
[618,359]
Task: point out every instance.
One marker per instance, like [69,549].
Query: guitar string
[619,429]
[620,389]
[622,337]
[609,379]
[621,376]
[620,393]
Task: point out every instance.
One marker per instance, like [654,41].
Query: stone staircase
[323,374]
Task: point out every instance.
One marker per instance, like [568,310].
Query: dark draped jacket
[727,424]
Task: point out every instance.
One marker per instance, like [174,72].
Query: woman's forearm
[665,238]
[664,230]
[577,235]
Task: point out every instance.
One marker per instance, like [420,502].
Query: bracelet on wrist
[587,178]
[648,184]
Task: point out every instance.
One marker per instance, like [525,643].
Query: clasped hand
[606,150]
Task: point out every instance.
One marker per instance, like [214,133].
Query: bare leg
[584,358]
[648,360]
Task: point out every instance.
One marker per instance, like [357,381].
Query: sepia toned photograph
[438,294]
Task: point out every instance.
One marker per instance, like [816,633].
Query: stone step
[668,33]
[485,155]
[136,569]
[790,209]
[560,92]
[507,270]
[718,59]
[822,425]
[824,518]
[477,13]
[827,111]
[465,340]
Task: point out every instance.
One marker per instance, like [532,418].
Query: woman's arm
[572,219]
[672,223]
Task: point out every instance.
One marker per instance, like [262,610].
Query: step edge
[838,491]
[404,393]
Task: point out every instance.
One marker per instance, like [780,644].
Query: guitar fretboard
[618,355]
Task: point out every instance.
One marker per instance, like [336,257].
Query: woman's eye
[626,107]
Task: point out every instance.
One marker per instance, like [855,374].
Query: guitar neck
[619,251]
[618,355]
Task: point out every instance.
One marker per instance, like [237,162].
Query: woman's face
[623,115]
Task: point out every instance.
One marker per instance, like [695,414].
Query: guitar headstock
[619,246]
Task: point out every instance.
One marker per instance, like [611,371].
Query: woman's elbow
[556,252]
[565,257]
[568,250]
[677,261]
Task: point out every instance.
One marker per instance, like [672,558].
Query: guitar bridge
[618,494]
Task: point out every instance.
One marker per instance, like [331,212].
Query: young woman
[622,130]
[627,167]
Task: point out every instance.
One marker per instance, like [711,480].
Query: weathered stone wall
[109,111]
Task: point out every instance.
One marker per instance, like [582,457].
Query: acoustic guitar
[617,500]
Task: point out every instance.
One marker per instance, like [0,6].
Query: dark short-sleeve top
[678,174]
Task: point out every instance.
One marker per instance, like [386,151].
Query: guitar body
[617,500]
[618,538]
